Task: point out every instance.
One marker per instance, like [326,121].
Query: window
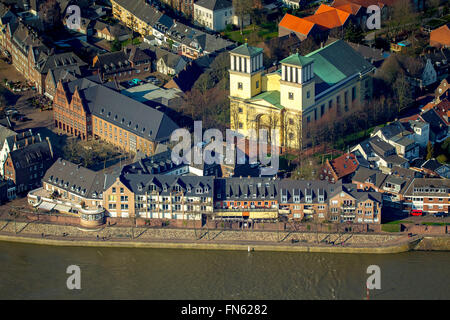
[240,86]
[353,93]
[121,190]
[308,94]
[330,104]
[291,96]
[241,125]
[257,84]
[113,190]
[240,110]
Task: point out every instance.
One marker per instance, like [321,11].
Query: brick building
[339,168]
[87,108]
[26,166]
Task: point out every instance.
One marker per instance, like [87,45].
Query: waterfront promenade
[144,237]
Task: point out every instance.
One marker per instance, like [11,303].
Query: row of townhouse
[38,63]
[430,195]
[145,19]
[72,189]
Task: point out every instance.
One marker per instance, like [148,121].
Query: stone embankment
[32,232]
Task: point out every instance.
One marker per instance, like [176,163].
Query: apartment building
[246,198]
[430,195]
[160,197]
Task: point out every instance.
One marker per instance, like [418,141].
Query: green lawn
[436,223]
[390,227]
[399,221]
[264,31]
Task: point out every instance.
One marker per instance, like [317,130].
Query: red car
[416,212]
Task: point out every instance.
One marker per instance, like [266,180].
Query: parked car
[416,212]
[440,214]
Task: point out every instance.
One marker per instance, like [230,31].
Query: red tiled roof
[344,165]
[413,117]
[443,110]
[296,24]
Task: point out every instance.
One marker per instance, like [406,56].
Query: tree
[241,9]
[116,45]
[402,16]
[354,33]
[402,92]
[430,150]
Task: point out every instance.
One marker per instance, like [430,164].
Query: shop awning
[46,206]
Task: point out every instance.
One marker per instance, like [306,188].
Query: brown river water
[39,272]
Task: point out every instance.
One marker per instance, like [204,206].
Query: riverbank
[57,235]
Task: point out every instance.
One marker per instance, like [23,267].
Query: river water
[39,272]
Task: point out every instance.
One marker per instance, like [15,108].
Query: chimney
[50,146]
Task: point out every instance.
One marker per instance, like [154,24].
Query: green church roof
[247,50]
[297,60]
[337,61]
[272,97]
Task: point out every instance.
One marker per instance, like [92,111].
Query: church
[334,78]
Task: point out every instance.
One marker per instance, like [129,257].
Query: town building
[215,14]
[148,21]
[165,61]
[380,154]
[5,133]
[440,37]
[294,4]
[325,20]
[111,33]
[72,189]
[26,166]
[160,197]
[340,168]
[87,109]
[15,141]
[396,135]
[239,199]
[430,195]
[130,62]
[298,95]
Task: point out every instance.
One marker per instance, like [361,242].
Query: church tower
[297,82]
[246,68]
